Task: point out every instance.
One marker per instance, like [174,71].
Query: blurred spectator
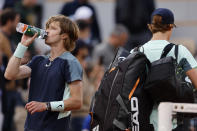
[8,19]
[83,13]
[193,124]
[95,72]
[86,124]
[188,42]
[81,52]
[78,116]
[1,4]
[2,81]
[30,11]
[31,14]
[84,28]
[70,8]
[2,90]
[9,3]
[135,15]
[84,34]
[105,52]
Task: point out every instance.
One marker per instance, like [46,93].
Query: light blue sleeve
[75,71]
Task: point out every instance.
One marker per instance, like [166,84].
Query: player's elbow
[79,104]
[8,76]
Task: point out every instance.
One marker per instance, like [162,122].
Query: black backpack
[121,103]
[166,80]
[127,92]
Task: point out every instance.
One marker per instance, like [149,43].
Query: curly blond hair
[67,26]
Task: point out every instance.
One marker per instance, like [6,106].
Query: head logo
[135,113]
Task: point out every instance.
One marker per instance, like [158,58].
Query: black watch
[48,106]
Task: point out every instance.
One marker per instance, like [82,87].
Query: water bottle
[31,30]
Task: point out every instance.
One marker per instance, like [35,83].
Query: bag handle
[138,48]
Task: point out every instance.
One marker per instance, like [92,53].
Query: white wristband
[20,50]
[57,106]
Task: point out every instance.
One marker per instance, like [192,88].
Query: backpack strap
[116,122]
[176,51]
[119,124]
[120,101]
[166,50]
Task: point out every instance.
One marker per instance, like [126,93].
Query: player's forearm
[72,104]
[192,74]
[66,105]
[12,68]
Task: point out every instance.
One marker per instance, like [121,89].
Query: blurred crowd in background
[94,53]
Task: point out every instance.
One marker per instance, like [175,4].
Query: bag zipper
[110,96]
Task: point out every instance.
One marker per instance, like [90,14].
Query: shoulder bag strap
[166,50]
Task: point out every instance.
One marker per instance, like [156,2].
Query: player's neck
[161,36]
[56,52]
